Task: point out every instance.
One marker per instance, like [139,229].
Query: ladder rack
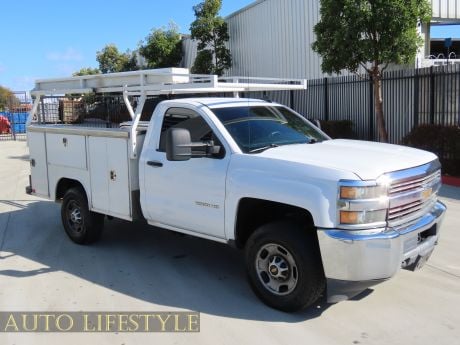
[165,81]
[155,82]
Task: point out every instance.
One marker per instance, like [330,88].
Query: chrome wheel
[276,269]
[74,217]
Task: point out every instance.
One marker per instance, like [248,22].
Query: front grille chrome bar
[412,193]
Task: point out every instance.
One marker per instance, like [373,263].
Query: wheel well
[64,185]
[253,213]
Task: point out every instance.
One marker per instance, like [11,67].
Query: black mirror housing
[178,144]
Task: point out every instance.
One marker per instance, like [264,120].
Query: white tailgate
[38,166]
[66,150]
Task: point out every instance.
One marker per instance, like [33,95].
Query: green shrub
[444,141]
[342,129]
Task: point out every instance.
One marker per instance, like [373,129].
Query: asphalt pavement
[140,268]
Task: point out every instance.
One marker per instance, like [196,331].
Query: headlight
[362,204]
[365,192]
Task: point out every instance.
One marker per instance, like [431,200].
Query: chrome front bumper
[353,260]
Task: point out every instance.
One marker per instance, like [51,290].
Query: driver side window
[190,120]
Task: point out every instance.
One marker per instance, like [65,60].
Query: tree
[211,31]
[162,47]
[203,62]
[369,34]
[86,71]
[7,97]
[111,60]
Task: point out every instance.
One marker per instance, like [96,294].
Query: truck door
[189,195]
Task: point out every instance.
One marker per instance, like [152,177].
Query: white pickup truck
[315,216]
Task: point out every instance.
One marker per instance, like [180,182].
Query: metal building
[272,38]
[446,10]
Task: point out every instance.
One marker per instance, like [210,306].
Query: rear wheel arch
[65,184]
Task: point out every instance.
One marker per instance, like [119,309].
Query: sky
[54,38]
[445,31]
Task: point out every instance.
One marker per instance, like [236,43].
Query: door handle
[155,164]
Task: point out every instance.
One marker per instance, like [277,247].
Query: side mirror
[178,144]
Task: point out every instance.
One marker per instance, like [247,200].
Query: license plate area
[422,247]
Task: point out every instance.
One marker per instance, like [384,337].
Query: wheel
[80,224]
[284,266]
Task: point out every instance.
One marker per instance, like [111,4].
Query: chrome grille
[412,194]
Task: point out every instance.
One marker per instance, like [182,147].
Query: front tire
[284,266]
[80,224]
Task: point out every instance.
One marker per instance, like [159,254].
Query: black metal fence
[411,97]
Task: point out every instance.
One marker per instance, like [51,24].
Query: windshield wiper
[263,148]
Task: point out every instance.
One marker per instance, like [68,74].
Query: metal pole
[416,98]
[41,119]
[457,91]
[326,100]
[13,130]
[432,86]
[371,109]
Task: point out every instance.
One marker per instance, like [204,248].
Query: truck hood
[368,160]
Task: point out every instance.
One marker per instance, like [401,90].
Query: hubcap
[276,269]
[74,217]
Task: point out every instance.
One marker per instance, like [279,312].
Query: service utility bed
[99,156]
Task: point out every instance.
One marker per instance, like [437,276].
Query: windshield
[257,128]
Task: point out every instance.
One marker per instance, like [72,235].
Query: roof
[255,3]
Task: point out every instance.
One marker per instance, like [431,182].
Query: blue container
[9,116]
[22,117]
[19,128]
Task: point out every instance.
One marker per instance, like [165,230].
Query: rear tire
[80,224]
[284,266]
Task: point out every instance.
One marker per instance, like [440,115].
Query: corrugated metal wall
[189,49]
[272,38]
[446,9]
